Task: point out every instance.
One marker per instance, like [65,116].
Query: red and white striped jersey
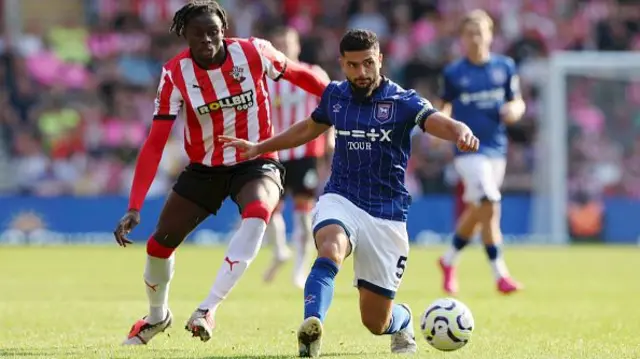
[291,104]
[229,99]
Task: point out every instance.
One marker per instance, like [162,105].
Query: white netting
[589,143]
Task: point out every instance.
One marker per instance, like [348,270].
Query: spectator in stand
[76,91]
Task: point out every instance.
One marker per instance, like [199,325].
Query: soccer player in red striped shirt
[219,84]
[291,104]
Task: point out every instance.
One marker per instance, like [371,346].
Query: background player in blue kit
[482,90]
[364,206]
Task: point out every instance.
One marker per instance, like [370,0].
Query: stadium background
[79,78]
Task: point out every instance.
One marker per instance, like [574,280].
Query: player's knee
[376,324]
[162,245]
[303,203]
[279,207]
[263,190]
[257,209]
[332,243]
[488,210]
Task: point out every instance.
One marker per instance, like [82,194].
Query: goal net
[588,144]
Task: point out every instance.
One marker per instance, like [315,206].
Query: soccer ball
[447,324]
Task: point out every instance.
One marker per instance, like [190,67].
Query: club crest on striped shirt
[237,73]
[383,111]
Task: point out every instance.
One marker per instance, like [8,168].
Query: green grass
[79,302]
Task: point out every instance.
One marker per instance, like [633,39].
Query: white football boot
[201,324]
[142,331]
[310,338]
[404,341]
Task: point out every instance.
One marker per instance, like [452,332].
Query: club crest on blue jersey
[499,76]
[383,111]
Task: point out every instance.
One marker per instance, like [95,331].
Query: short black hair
[358,40]
[194,8]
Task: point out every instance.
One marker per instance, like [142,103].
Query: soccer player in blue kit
[482,90]
[364,206]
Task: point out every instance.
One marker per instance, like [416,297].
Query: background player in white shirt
[291,104]
[482,90]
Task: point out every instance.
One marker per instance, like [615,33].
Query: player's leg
[177,219]
[302,236]
[276,235]
[470,169]
[333,230]
[490,215]
[256,187]
[303,188]
[379,264]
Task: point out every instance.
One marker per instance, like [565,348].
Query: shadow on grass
[158,354]
[36,352]
[267,356]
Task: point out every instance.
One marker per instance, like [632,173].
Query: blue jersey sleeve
[512,89]
[420,110]
[321,113]
[448,91]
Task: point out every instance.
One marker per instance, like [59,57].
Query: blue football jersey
[476,93]
[373,143]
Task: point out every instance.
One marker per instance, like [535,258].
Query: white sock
[157,276]
[302,237]
[499,268]
[276,234]
[242,250]
[451,256]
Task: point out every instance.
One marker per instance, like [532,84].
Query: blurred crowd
[78,96]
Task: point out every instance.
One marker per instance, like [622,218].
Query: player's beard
[363,90]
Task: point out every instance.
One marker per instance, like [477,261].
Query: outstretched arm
[296,135]
[277,66]
[146,168]
[306,79]
[442,126]
[168,103]
[148,162]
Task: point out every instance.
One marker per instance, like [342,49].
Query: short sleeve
[512,90]
[448,91]
[421,109]
[320,114]
[274,62]
[168,100]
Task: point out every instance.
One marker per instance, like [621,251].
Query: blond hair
[477,16]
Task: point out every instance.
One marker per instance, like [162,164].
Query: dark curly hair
[195,8]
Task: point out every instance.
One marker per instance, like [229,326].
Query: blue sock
[493,251]
[400,319]
[318,291]
[459,243]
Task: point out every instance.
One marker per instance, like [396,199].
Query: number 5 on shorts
[401,265]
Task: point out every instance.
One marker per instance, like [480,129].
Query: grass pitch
[79,302]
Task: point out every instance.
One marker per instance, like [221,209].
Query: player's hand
[510,113]
[128,222]
[247,149]
[466,141]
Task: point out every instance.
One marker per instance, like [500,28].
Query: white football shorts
[380,246]
[482,176]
